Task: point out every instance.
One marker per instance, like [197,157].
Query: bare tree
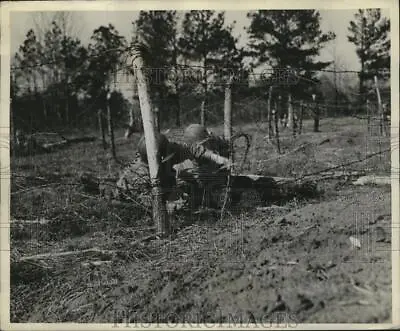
[71,23]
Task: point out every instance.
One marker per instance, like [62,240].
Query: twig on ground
[68,253]
[271,208]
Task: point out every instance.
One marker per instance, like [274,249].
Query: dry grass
[188,273]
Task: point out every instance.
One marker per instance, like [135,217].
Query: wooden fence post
[100,115]
[290,123]
[386,118]
[316,114]
[228,110]
[228,116]
[277,128]
[110,126]
[381,113]
[269,110]
[301,117]
[368,109]
[228,133]
[203,112]
[159,209]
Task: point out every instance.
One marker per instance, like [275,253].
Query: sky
[336,21]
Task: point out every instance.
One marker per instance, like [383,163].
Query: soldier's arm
[182,152]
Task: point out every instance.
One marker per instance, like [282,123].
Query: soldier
[179,168]
[204,176]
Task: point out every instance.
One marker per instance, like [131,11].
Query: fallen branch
[342,173]
[372,179]
[272,208]
[68,142]
[321,175]
[37,221]
[49,146]
[81,139]
[94,263]
[63,254]
[276,179]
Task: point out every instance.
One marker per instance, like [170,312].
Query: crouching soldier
[180,169]
[202,178]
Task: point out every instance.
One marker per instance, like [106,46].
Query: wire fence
[285,143]
[252,102]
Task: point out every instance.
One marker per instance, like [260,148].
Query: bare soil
[325,260]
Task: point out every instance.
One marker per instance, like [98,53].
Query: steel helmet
[195,133]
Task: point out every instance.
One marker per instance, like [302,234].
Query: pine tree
[370,33]
[207,41]
[104,54]
[157,29]
[289,40]
[104,61]
[28,61]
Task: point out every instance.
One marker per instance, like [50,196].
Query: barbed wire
[295,179]
[209,67]
[62,61]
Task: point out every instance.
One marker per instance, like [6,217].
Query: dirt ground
[325,260]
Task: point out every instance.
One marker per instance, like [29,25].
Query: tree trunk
[100,114]
[290,122]
[362,60]
[133,108]
[131,124]
[44,109]
[203,118]
[269,113]
[368,110]
[316,117]
[301,117]
[67,117]
[157,114]
[157,108]
[177,109]
[66,95]
[361,86]
[203,112]
[277,128]
[111,127]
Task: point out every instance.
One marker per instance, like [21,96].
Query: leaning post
[228,115]
[159,209]
[228,134]
[381,112]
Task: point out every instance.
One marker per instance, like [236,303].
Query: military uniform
[201,179]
